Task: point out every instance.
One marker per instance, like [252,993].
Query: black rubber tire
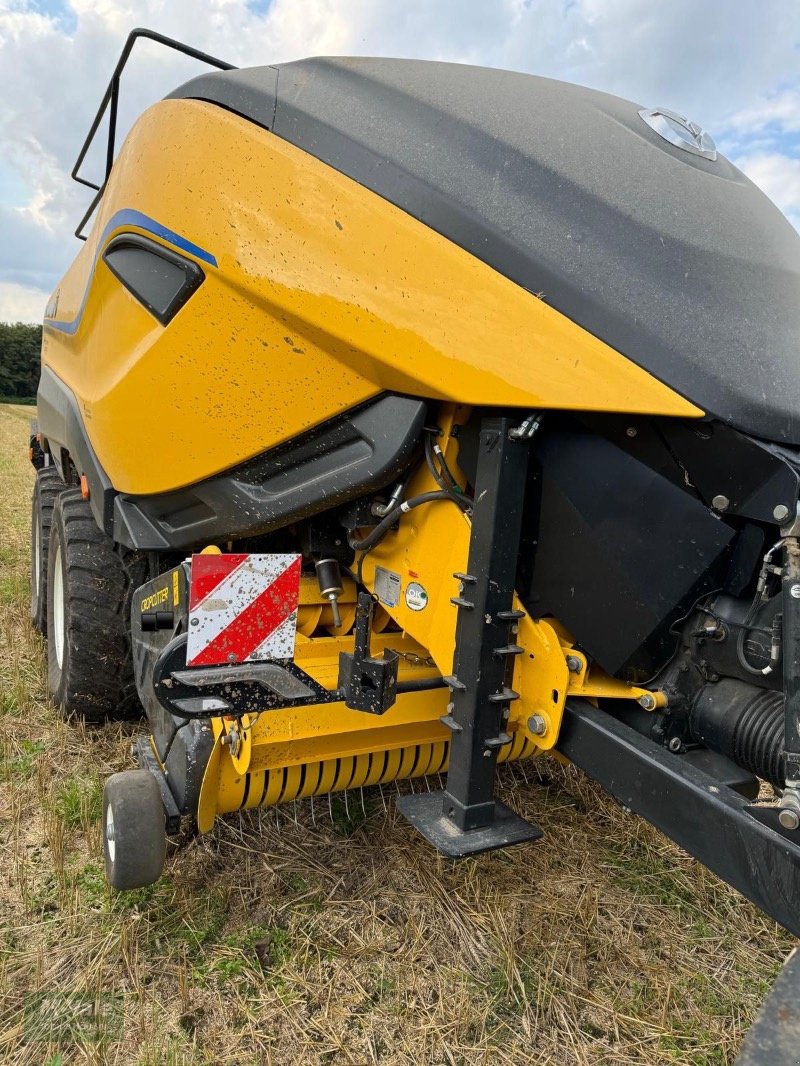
[135,844]
[89,665]
[45,492]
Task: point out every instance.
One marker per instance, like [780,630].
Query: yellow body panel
[323,295]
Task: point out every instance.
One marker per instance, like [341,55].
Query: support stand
[790,590]
[466,819]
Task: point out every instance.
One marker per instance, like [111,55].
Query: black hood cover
[675,260]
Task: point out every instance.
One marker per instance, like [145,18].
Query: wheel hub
[110,845]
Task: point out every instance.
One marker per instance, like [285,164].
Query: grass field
[317,935]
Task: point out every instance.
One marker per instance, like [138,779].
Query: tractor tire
[134,830]
[45,492]
[90,583]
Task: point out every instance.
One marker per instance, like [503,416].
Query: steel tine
[521,765]
[383,798]
[427,782]
[294,812]
[441,783]
[330,806]
[363,808]
[313,815]
[346,804]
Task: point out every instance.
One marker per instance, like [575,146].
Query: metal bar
[89,212]
[145,756]
[479,704]
[790,590]
[466,819]
[112,127]
[110,96]
[742,844]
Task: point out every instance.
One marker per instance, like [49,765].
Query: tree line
[20,345]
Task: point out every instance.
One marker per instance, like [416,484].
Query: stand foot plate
[425,812]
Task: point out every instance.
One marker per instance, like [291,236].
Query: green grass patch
[639,868]
[23,762]
[14,590]
[79,802]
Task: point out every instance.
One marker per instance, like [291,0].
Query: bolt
[195,621]
[788,818]
[780,514]
[537,725]
[675,744]
[574,664]
[632,431]
[648,701]
[720,503]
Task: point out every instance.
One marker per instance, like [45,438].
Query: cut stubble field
[331,933]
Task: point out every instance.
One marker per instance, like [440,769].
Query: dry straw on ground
[333,934]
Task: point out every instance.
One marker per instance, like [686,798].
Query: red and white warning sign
[242,608]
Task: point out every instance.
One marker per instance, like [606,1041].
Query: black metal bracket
[145,756]
[790,603]
[110,103]
[367,682]
[466,818]
[742,843]
[243,688]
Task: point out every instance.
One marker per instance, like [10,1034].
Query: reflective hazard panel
[242,608]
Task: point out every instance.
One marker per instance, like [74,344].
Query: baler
[406,418]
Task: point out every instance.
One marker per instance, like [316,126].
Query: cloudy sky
[731,65]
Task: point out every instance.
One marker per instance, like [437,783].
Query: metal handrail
[111,97]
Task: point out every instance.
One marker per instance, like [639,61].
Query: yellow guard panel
[322,296]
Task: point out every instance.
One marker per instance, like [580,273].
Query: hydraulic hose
[379,532]
[442,474]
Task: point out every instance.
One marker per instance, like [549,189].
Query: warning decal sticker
[242,608]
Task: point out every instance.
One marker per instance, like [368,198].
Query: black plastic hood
[675,260]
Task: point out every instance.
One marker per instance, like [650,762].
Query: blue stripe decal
[128,217]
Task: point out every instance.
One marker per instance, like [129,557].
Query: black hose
[443,477]
[742,637]
[435,472]
[386,523]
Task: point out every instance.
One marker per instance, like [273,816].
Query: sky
[731,65]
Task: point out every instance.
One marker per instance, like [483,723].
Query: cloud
[21,303]
[781,110]
[779,177]
[727,64]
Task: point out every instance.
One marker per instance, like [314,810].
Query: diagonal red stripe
[208,571]
[256,622]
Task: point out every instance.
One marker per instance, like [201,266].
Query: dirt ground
[331,934]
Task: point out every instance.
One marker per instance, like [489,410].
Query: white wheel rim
[111,847]
[57,595]
[37,556]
